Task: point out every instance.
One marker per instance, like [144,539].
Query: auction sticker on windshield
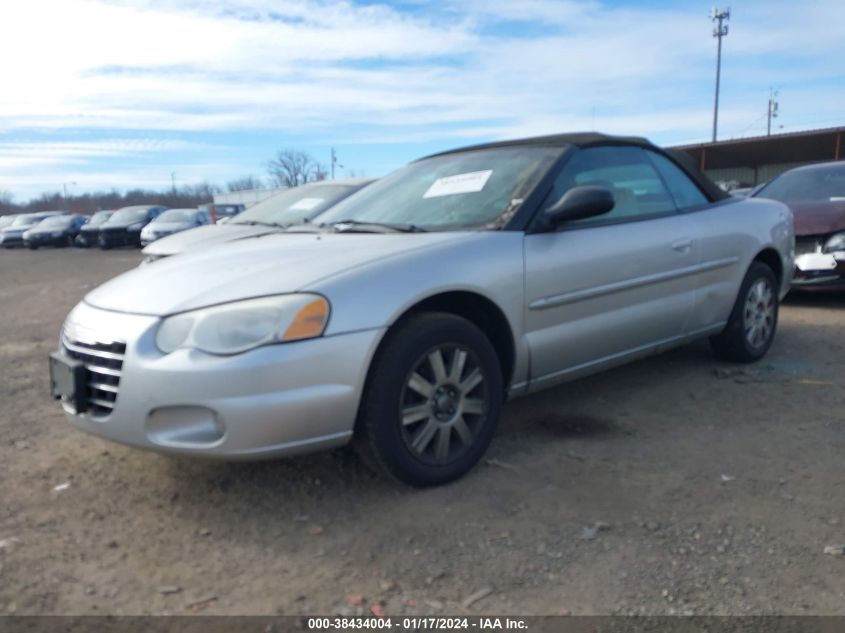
[461,183]
[306,204]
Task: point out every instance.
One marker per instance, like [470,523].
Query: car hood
[818,218]
[267,265]
[204,236]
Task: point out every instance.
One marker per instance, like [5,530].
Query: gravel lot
[676,484]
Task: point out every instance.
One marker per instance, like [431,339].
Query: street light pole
[773,110]
[719,31]
[64,189]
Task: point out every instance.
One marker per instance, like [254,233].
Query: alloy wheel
[759,313]
[443,404]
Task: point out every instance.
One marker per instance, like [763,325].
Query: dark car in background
[57,230]
[90,231]
[173,221]
[816,195]
[124,227]
[12,235]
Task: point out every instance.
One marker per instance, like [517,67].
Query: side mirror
[585,201]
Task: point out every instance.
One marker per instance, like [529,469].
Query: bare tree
[244,183]
[292,168]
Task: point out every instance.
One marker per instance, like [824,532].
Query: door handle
[682,246]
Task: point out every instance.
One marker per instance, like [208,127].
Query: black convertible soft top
[594,139]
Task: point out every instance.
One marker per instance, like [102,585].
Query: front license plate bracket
[67,381]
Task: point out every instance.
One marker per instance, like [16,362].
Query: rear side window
[685,192]
[627,172]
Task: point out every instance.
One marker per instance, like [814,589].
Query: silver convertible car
[420,304]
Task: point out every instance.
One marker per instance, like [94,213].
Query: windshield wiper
[306,227]
[258,223]
[355,226]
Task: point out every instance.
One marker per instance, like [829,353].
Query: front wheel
[432,400]
[753,320]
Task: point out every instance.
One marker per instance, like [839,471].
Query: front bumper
[120,237]
[275,400]
[86,239]
[45,240]
[149,238]
[8,240]
[822,279]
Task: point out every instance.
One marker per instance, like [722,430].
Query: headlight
[57,234]
[134,228]
[237,327]
[835,243]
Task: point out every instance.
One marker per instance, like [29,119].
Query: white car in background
[291,206]
[173,221]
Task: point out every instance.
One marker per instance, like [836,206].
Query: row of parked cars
[144,224]
[399,314]
[129,226]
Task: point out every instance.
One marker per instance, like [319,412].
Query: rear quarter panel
[738,231]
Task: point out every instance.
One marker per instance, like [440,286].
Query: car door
[605,289]
[723,244]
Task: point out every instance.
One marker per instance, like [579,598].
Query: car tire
[432,400]
[753,321]
[32,247]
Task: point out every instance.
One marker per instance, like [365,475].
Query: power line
[719,31]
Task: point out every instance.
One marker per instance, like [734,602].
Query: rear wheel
[432,400]
[753,321]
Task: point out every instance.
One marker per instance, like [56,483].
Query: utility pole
[334,162]
[773,110]
[173,181]
[719,31]
[64,189]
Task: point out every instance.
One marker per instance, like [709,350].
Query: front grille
[103,362]
[804,245]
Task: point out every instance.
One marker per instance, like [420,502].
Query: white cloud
[459,69]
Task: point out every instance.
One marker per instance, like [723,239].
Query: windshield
[55,222]
[99,217]
[127,216]
[294,206]
[176,215]
[808,185]
[26,220]
[467,189]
